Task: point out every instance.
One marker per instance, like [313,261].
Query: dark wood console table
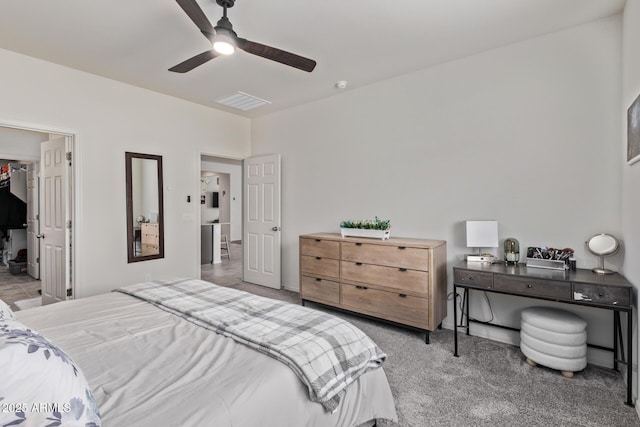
[581,287]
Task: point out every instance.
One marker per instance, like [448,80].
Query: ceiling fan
[225,41]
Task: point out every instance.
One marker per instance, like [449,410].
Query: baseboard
[288,288]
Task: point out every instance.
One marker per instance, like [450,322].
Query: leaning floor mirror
[145,225]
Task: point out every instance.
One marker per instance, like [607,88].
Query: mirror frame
[129,156]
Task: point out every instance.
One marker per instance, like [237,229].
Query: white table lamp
[482,234]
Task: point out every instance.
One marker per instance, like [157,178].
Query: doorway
[220,201]
[255,219]
[21,146]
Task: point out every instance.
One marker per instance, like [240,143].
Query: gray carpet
[490,384]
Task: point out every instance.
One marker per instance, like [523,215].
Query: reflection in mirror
[145,226]
[603,245]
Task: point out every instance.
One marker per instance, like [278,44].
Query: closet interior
[13,216]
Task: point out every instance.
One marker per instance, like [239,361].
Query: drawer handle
[358,244]
[318,279]
[472,278]
[402,295]
[361,287]
[529,285]
[402,247]
[358,263]
[601,294]
[318,257]
[318,240]
[402,269]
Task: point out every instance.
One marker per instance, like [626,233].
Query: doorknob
[40,236]
[275,229]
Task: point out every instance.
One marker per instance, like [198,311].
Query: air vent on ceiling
[242,101]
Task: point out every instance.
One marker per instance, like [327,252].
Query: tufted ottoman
[554,338]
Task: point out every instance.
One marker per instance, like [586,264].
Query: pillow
[39,384]
[5,311]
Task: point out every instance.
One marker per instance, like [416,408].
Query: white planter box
[364,232]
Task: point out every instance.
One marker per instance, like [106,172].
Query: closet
[13,210]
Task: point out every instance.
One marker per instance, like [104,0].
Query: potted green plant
[376,228]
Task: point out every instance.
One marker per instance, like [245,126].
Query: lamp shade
[482,234]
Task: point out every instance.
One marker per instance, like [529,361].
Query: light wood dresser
[401,280]
[150,238]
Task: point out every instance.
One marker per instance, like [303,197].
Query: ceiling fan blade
[277,55]
[198,17]
[194,62]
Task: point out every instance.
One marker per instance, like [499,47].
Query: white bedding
[147,367]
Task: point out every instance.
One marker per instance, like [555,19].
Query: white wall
[208,213]
[21,144]
[224,201]
[630,174]
[526,134]
[110,118]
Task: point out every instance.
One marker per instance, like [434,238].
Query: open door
[261,241]
[33,223]
[55,218]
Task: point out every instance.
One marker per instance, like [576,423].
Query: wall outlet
[147,277]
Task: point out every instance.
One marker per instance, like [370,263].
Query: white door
[261,242]
[54,214]
[33,224]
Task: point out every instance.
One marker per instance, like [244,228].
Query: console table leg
[621,341]
[617,335]
[455,321]
[466,299]
[629,358]
[426,338]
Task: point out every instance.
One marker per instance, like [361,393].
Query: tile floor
[16,287]
[228,272]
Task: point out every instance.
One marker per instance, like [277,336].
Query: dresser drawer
[150,228]
[312,265]
[316,289]
[319,247]
[466,277]
[609,295]
[389,255]
[147,249]
[151,239]
[387,305]
[524,285]
[393,277]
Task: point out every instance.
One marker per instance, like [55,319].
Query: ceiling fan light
[224,45]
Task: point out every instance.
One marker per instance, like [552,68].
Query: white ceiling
[360,41]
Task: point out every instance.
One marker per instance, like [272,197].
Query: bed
[149,366]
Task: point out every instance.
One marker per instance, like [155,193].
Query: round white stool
[554,338]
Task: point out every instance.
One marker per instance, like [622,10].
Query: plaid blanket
[327,353]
